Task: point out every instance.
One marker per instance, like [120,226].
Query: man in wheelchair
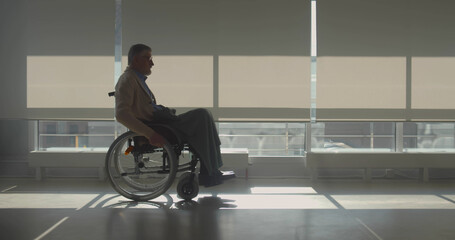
[136,107]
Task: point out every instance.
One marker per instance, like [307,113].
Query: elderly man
[136,105]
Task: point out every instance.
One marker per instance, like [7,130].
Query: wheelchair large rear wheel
[140,172]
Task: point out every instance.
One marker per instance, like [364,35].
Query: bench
[62,159]
[369,161]
[232,158]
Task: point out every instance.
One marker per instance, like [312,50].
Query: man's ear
[134,61]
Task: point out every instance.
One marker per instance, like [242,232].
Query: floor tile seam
[365,229]
[52,228]
[7,189]
[373,235]
[75,212]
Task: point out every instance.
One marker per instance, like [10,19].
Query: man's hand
[157,140]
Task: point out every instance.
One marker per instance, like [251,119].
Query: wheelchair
[140,171]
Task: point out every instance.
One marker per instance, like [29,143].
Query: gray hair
[135,50]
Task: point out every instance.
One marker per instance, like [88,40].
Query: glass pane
[80,135]
[353,137]
[429,137]
[264,139]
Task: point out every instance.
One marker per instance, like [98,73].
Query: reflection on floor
[238,209]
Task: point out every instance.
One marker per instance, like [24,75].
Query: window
[261,139]
[428,137]
[76,135]
[264,139]
[353,137]
[269,139]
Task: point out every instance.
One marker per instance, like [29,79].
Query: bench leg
[367,175]
[39,173]
[424,174]
[314,174]
[101,174]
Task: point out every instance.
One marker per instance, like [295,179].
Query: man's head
[140,58]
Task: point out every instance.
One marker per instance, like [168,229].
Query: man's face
[143,63]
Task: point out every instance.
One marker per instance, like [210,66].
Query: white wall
[13,59]
[13,49]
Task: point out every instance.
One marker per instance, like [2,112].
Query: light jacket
[133,105]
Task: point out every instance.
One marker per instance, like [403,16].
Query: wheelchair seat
[168,133]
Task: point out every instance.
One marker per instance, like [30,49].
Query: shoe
[217,179]
[209,181]
[226,175]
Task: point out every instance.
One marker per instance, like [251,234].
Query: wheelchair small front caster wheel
[188,187]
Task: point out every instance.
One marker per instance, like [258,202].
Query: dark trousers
[198,129]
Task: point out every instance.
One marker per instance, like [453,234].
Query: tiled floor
[239,209]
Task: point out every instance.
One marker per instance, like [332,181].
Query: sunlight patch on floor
[283,190]
[393,202]
[45,200]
